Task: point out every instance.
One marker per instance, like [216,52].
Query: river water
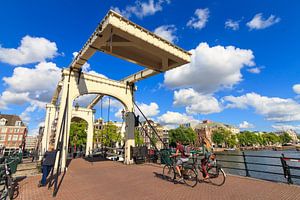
[274,161]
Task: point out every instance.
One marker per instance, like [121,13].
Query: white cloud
[254,70]
[234,25]
[196,102]
[200,20]
[245,125]
[84,100]
[25,115]
[258,22]
[39,82]
[31,50]
[284,127]
[211,68]
[173,119]
[149,111]
[9,97]
[142,9]
[273,108]
[296,88]
[167,32]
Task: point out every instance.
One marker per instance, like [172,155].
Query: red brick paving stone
[111,180]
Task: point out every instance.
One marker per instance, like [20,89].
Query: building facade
[12,132]
[31,142]
[292,134]
[162,132]
[207,127]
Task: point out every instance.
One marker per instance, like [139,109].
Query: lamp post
[123,114]
[76,106]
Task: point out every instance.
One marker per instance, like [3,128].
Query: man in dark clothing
[47,165]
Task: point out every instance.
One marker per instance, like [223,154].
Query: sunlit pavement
[112,180]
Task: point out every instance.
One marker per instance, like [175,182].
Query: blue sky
[244,70]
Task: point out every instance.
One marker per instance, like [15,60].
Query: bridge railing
[273,165]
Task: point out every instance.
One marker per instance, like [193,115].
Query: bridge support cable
[154,130]
[153,143]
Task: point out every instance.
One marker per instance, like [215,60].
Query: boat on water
[230,149]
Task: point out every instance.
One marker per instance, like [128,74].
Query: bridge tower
[120,37]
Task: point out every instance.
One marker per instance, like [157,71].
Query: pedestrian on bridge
[47,164]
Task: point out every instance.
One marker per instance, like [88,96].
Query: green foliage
[183,134]
[78,133]
[139,140]
[218,137]
[109,135]
[232,141]
[285,138]
[270,138]
[223,136]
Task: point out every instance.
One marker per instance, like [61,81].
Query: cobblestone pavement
[112,180]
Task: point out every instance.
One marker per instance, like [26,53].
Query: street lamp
[76,106]
[123,113]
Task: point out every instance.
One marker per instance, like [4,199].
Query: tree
[218,137]
[183,134]
[109,135]
[232,141]
[224,136]
[285,138]
[242,139]
[270,138]
[78,133]
[138,139]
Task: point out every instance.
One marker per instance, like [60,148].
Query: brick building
[31,142]
[162,132]
[12,131]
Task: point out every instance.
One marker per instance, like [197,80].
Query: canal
[228,156]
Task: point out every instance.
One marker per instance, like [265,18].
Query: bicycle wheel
[190,177]
[9,187]
[168,173]
[217,176]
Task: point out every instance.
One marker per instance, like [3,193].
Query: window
[17,130]
[3,130]
[9,138]
[2,122]
[18,123]
[15,137]
[2,137]
[20,137]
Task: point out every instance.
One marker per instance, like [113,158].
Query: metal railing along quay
[245,163]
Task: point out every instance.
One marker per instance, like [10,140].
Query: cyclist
[183,158]
[209,157]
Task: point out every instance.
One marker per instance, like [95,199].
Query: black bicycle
[7,191]
[188,172]
[216,174]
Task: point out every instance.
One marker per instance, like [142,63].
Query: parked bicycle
[7,192]
[188,172]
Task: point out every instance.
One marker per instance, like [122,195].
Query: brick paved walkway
[112,180]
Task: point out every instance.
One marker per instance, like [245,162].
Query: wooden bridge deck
[112,180]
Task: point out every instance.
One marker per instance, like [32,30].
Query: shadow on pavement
[95,159]
[16,185]
[162,177]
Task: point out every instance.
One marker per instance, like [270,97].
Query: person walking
[47,164]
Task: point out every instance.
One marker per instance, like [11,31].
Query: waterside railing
[244,164]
